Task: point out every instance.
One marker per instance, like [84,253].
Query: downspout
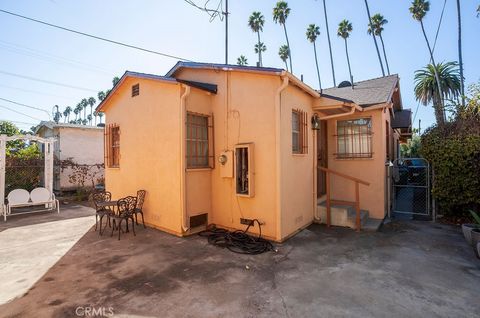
[183,190]
[278,153]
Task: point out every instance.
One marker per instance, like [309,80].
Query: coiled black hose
[238,241]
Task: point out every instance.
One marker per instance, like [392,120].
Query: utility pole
[226,31]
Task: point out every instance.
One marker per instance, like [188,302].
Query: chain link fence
[22,173]
[411,186]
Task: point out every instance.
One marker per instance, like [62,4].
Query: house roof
[52,125]
[212,88]
[365,93]
[402,119]
[216,66]
[248,69]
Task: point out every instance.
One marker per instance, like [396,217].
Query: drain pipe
[183,173]
[278,166]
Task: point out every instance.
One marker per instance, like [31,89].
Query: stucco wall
[372,170]
[83,146]
[243,112]
[298,170]
[149,149]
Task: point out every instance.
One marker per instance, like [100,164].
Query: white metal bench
[22,198]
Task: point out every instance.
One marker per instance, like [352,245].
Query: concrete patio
[409,269]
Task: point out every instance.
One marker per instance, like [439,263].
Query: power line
[51,59]
[24,105]
[439,25]
[95,36]
[20,113]
[34,92]
[47,82]
[17,122]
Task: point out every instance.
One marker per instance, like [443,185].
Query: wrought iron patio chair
[139,207]
[101,211]
[125,211]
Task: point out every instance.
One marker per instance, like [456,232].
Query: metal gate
[411,186]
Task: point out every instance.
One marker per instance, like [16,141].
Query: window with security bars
[112,145]
[299,132]
[354,138]
[199,141]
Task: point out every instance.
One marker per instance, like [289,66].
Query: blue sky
[174,27]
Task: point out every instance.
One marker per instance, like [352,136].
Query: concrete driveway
[31,244]
[410,269]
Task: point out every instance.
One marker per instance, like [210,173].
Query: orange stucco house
[214,143]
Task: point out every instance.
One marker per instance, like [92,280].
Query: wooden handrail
[356,204]
[344,175]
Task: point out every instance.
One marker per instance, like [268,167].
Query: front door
[322,157]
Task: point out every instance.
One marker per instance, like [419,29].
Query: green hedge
[454,153]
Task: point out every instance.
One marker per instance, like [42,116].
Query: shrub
[454,153]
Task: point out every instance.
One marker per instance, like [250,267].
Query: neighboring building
[79,154]
[216,143]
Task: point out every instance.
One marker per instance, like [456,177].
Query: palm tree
[66,114]
[76,111]
[376,27]
[100,115]
[460,55]
[242,60]
[57,114]
[89,118]
[259,48]
[329,42]
[79,108]
[344,30]
[283,53]
[101,95]
[426,86]
[313,32]
[84,103]
[256,22]
[418,10]
[280,15]
[374,39]
[115,80]
[91,101]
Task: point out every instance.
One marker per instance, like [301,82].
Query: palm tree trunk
[385,54]
[348,61]
[260,62]
[316,63]
[374,38]
[460,57]
[437,78]
[329,42]
[439,113]
[289,50]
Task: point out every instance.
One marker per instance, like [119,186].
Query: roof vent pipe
[301,77]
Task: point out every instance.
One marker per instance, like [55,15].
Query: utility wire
[213,13]
[16,121]
[439,25]
[20,113]
[50,59]
[35,92]
[24,105]
[46,81]
[53,56]
[95,36]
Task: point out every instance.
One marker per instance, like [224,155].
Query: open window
[244,183]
